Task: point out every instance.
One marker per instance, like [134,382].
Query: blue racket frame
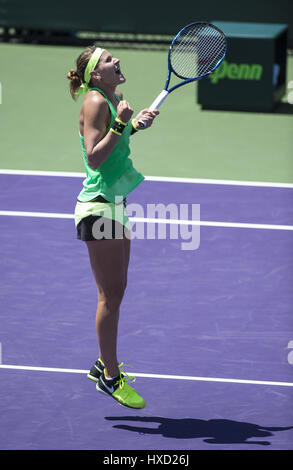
[188,80]
[163,95]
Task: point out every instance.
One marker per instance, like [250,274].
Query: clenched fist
[124,111]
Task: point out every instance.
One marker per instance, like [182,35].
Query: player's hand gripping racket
[195,52]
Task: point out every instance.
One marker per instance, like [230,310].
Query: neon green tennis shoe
[120,390]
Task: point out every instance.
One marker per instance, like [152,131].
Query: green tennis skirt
[101,220]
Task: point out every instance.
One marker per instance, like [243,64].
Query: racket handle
[157,103]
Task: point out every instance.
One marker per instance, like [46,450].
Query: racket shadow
[213,431]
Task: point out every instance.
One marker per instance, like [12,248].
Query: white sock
[111,378]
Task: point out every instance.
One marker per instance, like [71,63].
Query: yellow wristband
[121,122]
[134,126]
[115,132]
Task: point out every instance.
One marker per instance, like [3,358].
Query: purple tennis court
[208,331]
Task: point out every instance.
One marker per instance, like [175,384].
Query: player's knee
[113,294]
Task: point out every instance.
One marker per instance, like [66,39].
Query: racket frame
[163,95]
[187,80]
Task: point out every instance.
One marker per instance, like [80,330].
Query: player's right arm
[96,118]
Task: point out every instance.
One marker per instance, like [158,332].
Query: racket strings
[197,51]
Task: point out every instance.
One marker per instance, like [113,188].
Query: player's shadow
[213,431]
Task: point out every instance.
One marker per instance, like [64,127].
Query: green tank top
[116,176]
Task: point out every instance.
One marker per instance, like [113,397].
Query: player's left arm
[147,116]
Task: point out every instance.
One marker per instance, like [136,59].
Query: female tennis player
[101,220]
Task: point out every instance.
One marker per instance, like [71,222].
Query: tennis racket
[195,52]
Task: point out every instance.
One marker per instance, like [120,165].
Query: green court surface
[39,121]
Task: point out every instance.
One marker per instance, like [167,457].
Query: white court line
[203,223]
[206,223]
[154,376]
[164,179]
[167,179]
[50,215]
[43,173]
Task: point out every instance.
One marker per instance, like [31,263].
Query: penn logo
[233,71]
